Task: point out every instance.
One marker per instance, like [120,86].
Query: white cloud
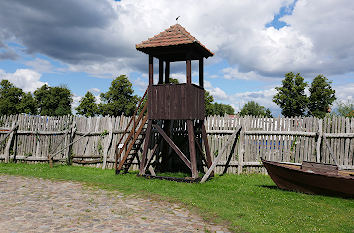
[94,90]
[26,79]
[216,92]
[262,97]
[76,101]
[344,92]
[317,39]
[41,65]
[141,83]
[234,73]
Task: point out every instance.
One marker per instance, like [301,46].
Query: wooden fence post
[241,145]
[109,142]
[319,140]
[71,138]
[9,142]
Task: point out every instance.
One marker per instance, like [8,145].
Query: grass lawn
[247,203]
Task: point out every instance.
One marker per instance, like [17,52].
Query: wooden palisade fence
[92,141]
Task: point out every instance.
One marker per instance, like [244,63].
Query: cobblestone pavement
[40,205]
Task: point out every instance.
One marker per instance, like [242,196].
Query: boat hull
[295,179]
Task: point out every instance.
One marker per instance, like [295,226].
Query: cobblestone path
[40,205]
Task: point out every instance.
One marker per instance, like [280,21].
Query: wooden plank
[108,143]
[241,147]
[9,142]
[13,128]
[216,160]
[347,143]
[151,70]
[201,72]
[189,71]
[272,132]
[319,141]
[160,71]
[206,146]
[306,141]
[167,72]
[146,147]
[192,153]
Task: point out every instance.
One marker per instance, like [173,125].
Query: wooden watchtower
[168,102]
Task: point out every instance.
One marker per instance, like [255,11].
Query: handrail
[126,129]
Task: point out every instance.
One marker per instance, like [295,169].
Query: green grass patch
[247,203]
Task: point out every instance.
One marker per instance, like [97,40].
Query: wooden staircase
[126,153]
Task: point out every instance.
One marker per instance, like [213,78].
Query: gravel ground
[40,205]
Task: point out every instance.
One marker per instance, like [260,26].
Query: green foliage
[254,109]
[247,203]
[119,98]
[222,109]
[321,96]
[28,104]
[174,81]
[10,97]
[13,100]
[209,107]
[218,109]
[87,106]
[291,96]
[53,101]
[346,109]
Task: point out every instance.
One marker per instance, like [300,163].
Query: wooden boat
[311,178]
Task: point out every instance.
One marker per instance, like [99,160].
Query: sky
[85,44]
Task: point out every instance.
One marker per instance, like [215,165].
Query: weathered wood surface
[279,139]
[176,102]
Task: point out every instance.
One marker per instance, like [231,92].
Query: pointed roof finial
[177,18]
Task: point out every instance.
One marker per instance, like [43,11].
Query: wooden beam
[167,72]
[189,71]
[201,151]
[151,155]
[173,146]
[206,145]
[201,73]
[151,70]
[224,149]
[146,147]
[319,141]
[160,71]
[330,150]
[9,142]
[193,157]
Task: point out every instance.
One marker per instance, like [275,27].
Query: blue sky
[85,44]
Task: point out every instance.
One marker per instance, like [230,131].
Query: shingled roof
[176,35]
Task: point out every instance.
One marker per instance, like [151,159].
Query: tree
[291,95]
[209,107]
[254,109]
[346,109]
[174,81]
[10,98]
[88,106]
[28,104]
[228,109]
[218,109]
[321,96]
[53,101]
[119,98]
[13,100]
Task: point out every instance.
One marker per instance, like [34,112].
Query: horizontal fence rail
[90,141]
